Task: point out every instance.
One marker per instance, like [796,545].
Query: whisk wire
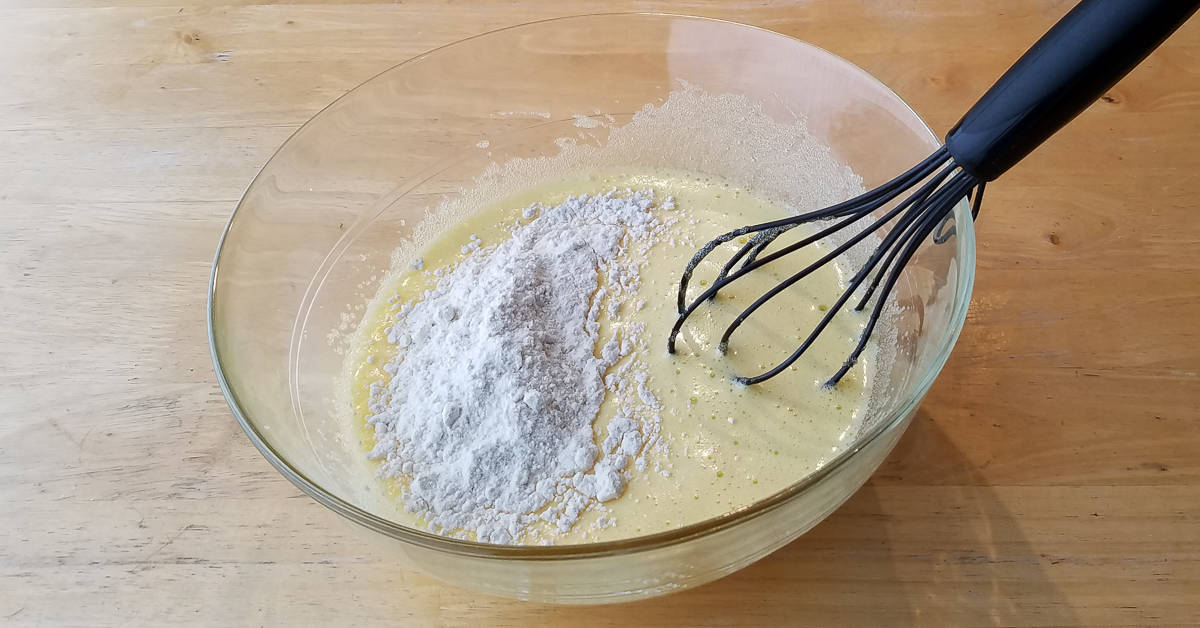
[924,217]
[790,281]
[856,207]
[942,184]
[909,205]
[928,192]
[927,225]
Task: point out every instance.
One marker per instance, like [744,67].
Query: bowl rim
[964,231]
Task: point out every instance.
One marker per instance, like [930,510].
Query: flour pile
[502,368]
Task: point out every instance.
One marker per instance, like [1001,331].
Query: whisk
[1077,60]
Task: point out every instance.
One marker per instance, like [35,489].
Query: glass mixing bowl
[313,235]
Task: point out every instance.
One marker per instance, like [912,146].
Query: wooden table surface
[1052,476]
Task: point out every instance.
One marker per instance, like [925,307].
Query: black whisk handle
[1072,65]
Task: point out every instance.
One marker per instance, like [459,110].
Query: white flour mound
[501,371]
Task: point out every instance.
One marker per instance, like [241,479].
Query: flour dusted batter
[501,369]
[517,388]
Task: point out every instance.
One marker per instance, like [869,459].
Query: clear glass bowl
[313,234]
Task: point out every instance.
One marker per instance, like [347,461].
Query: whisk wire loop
[856,207]
[942,184]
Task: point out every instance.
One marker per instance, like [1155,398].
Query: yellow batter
[727,445]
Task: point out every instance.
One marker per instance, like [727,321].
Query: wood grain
[1051,477]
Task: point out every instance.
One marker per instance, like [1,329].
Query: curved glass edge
[966,274]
